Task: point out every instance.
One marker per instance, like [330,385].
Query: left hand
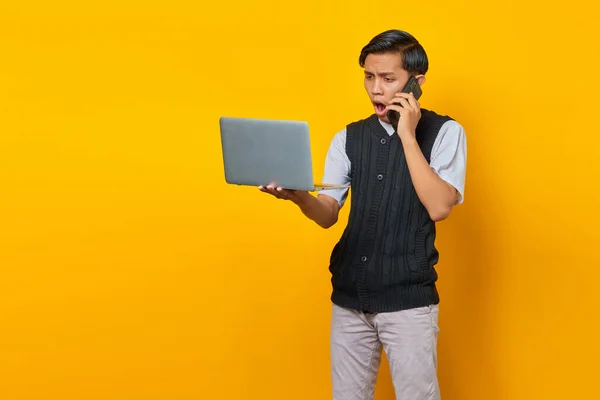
[410,114]
[296,196]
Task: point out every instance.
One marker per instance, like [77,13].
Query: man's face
[384,77]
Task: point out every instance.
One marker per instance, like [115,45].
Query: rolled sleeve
[337,168]
[449,156]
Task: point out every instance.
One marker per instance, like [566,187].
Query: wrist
[302,199]
[408,139]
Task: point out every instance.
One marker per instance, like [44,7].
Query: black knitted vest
[385,258]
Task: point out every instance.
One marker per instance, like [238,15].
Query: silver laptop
[264,151]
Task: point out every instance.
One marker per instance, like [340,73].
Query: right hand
[297,196]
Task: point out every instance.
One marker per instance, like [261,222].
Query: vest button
[380,177]
[363,258]
[383,141]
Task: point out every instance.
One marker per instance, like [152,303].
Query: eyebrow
[380,74]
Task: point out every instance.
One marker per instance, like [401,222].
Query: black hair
[414,58]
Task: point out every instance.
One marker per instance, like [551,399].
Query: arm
[437,195]
[440,183]
[324,208]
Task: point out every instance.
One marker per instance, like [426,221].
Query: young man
[404,179]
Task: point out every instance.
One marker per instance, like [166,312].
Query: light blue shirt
[448,160]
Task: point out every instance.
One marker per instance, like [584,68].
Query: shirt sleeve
[449,156]
[337,168]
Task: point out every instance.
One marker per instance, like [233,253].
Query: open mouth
[379,107]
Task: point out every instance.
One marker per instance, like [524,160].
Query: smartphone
[411,86]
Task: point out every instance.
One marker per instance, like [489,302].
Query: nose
[376,90]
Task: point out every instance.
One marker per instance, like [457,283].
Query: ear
[421,79]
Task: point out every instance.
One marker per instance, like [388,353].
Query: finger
[281,193]
[405,103]
[399,96]
[287,194]
[272,191]
[264,189]
[402,94]
[401,101]
[395,108]
[409,97]
[414,103]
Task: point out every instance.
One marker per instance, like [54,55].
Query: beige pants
[409,339]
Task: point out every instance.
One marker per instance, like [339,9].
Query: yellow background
[130,270]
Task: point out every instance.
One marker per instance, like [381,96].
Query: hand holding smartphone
[411,86]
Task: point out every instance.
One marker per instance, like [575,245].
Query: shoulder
[452,127]
[447,124]
[451,139]
[432,115]
[449,155]
[453,131]
[339,139]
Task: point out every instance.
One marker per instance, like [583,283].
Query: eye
[389,79]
